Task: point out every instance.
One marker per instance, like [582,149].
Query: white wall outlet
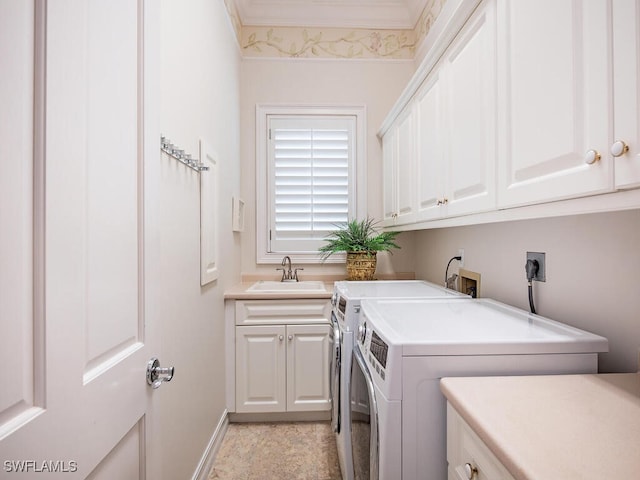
[461,255]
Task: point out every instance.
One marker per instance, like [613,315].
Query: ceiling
[371,14]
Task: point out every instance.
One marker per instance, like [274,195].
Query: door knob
[619,148]
[156,375]
[470,471]
[591,157]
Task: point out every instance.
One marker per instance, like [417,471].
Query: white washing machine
[345,316]
[405,347]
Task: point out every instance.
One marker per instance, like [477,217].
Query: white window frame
[263,210]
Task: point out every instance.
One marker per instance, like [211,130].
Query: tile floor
[277,451]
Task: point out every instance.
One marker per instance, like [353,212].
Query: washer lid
[394,289]
[473,327]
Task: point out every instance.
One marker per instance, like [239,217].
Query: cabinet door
[307,367]
[405,166]
[398,157]
[470,66]
[626,87]
[464,448]
[430,141]
[389,155]
[553,89]
[260,369]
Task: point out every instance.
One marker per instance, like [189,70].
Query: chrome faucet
[287,274]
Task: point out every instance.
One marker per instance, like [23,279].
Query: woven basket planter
[361,265]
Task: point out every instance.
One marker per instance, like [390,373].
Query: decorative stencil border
[326,43]
[345,43]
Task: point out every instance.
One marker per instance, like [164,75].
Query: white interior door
[75,297]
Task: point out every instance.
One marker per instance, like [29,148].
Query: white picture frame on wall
[209,269]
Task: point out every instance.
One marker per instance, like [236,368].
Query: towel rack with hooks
[173,151]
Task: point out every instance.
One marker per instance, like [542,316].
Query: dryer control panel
[379,349]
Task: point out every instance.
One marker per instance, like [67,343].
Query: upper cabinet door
[406,165]
[456,124]
[398,158]
[431,143]
[389,155]
[470,67]
[553,88]
[626,87]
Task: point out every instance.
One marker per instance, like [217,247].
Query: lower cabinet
[282,368]
[467,455]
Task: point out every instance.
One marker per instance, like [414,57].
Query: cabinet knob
[281,337]
[470,471]
[591,157]
[619,148]
[290,337]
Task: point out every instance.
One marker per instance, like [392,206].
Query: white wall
[592,271]
[375,84]
[200,99]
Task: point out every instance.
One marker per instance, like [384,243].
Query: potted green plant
[361,241]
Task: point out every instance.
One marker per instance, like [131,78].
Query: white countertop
[240,292]
[555,427]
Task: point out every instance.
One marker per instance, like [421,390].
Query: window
[308,177]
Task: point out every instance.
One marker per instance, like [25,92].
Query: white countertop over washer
[473,327]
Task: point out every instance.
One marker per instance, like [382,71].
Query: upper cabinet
[554,104]
[625,146]
[527,103]
[569,99]
[456,124]
[398,167]
[439,153]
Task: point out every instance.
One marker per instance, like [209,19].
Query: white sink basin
[311,286]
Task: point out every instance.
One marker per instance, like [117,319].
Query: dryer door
[364,420]
[334,372]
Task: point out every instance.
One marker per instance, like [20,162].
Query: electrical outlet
[541,276]
[461,255]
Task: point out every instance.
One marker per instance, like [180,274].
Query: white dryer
[405,347]
[346,302]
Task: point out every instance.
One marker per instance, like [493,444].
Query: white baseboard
[209,455]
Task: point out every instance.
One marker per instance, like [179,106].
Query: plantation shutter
[311,165]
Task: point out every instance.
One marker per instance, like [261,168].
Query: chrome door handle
[156,375]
